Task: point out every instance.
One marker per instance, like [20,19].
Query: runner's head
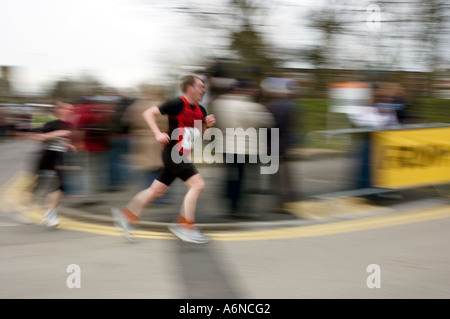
[64,111]
[193,88]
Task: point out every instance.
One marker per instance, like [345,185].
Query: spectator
[94,120]
[120,144]
[279,94]
[237,109]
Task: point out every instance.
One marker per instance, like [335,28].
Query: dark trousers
[234,182]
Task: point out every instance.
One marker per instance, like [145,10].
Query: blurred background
[343,64]
[67,49]
[335,55]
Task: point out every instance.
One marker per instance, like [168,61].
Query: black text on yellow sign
[409,158]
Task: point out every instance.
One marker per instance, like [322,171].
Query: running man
[182,112]
[56,137]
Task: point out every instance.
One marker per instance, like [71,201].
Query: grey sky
[126,42]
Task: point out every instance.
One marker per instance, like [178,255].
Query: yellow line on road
[395,219]
[12,195]
[69,224]
[347,226]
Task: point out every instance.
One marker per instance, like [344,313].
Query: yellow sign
[410,158]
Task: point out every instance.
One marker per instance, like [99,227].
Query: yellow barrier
[410,158]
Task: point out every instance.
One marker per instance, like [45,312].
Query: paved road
[328,258]
[413,260]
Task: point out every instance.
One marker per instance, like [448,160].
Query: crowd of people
[105,143]
[247,105]
[96,142]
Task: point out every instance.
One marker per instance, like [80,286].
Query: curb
[161,226]
[307,213]
[311,213]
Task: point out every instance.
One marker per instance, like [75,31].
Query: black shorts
[172,170]
[49,161]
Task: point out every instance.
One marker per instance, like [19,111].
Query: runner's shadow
[202,274]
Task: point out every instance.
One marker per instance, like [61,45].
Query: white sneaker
[122,223]
[192,236]
[50,219]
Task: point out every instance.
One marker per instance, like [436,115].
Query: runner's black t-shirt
[174,107]
[56,144]
[53,149]
[182,115]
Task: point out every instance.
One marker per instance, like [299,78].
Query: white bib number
[190,136]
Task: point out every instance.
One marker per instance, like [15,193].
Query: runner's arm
[208,120]
[150,117]
[43,137]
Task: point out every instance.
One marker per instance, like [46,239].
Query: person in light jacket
[237,113]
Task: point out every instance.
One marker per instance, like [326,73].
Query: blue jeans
[364,178]
[118,165]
